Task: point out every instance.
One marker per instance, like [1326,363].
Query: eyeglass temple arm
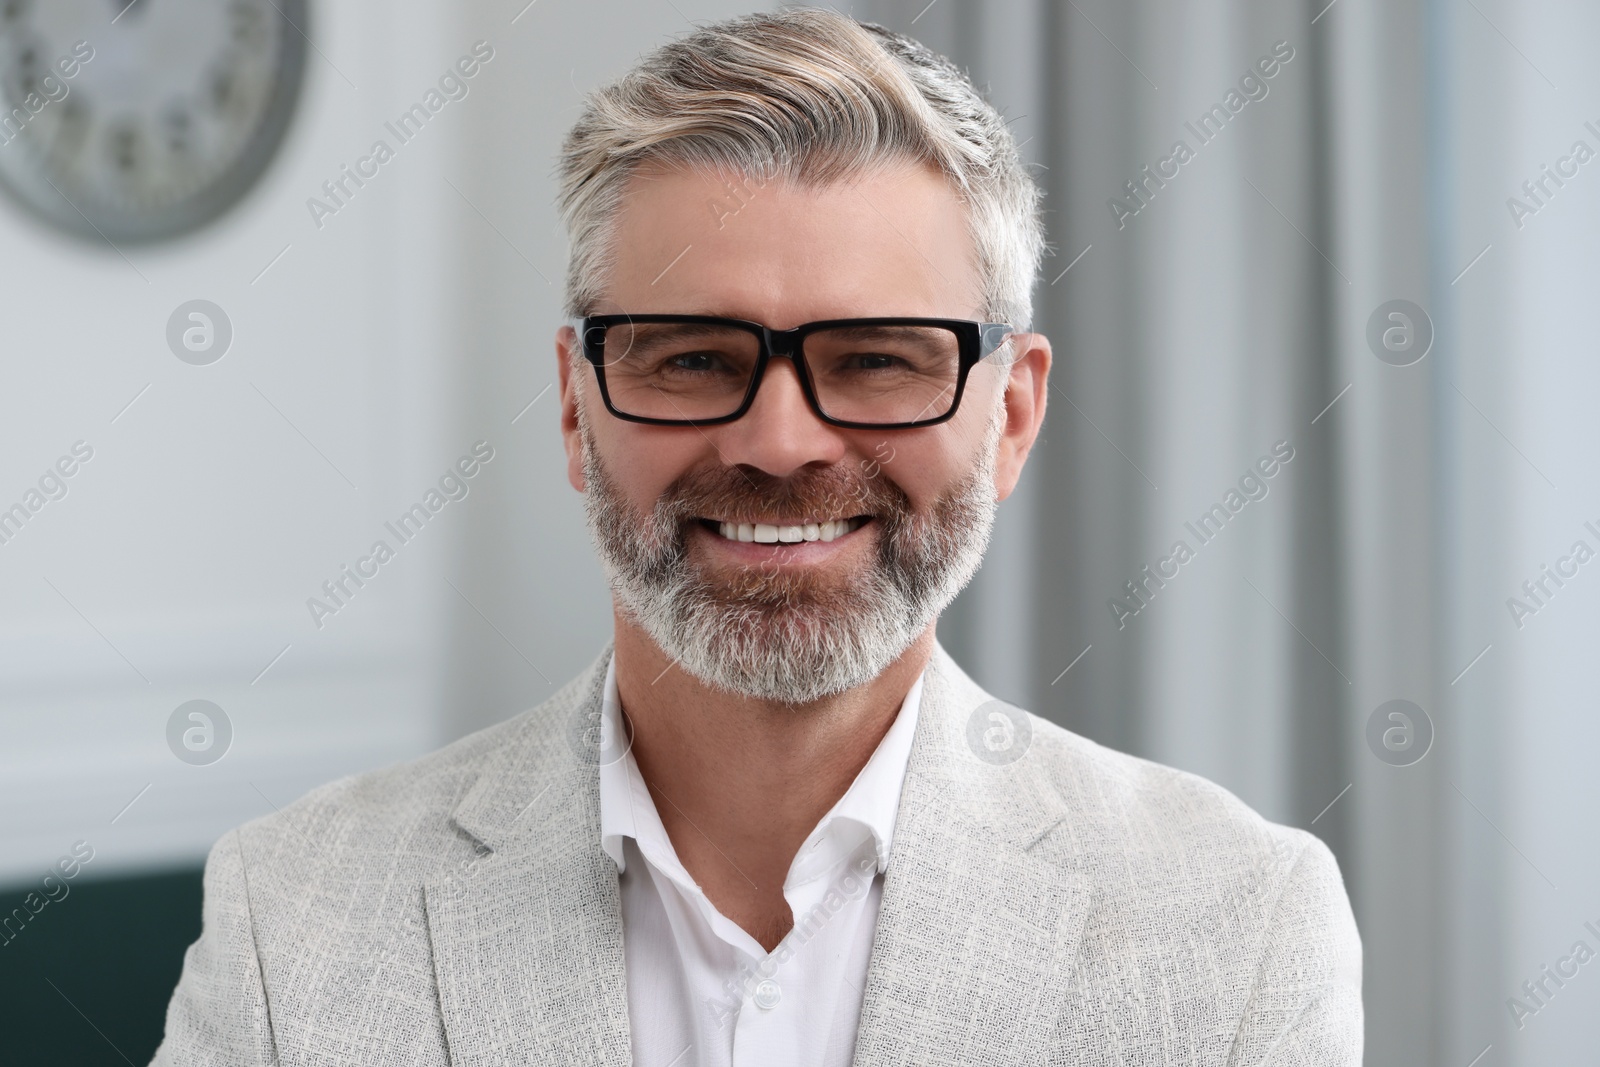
[992,336]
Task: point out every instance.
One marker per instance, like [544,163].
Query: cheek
[643,461]
[937,479]
[984,386]
[926,468]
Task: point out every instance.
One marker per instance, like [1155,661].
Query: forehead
[894,241]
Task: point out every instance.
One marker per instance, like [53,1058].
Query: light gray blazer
[1077,906]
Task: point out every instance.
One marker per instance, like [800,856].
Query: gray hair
[809,96]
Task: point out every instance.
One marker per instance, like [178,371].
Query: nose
[780,433]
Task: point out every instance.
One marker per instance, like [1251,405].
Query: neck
[739,783]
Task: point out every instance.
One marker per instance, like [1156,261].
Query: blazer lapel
[977,938]
[527,939]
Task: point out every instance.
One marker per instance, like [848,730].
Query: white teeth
[838,528]
[768,533]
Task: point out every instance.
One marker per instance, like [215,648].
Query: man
[774,823]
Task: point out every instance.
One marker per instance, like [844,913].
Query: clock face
[140,121]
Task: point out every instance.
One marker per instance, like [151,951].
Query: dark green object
[87,981]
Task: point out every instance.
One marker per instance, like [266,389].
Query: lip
[799,553]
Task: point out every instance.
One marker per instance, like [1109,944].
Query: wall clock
[140,121]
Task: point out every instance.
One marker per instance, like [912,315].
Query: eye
[694,361]
[872,361]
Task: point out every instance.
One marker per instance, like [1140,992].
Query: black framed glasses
[700,370]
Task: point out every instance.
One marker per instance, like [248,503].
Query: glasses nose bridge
[783,343]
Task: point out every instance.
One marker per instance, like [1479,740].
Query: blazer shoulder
[1118,781]
[1110,797]
[408,806]
[1158,825]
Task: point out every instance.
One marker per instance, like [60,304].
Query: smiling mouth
[786,533]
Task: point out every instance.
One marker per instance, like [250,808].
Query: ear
[566,346]
[1026,392]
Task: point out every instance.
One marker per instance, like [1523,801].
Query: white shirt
[702,991]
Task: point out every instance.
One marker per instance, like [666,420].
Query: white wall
[405,328]
[179,564]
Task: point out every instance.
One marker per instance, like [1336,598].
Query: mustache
[747,494]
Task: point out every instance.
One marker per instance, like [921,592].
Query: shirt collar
[868,807]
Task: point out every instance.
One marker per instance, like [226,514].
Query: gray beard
[775,635]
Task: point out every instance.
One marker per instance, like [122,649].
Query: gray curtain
[1207,313]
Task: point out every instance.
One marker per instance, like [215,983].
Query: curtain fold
[1232,190]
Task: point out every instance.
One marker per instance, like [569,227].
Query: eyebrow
[648,336]
[649,330]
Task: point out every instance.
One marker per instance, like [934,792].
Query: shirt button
[767,995]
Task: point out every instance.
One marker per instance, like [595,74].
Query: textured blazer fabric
[1072,906]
